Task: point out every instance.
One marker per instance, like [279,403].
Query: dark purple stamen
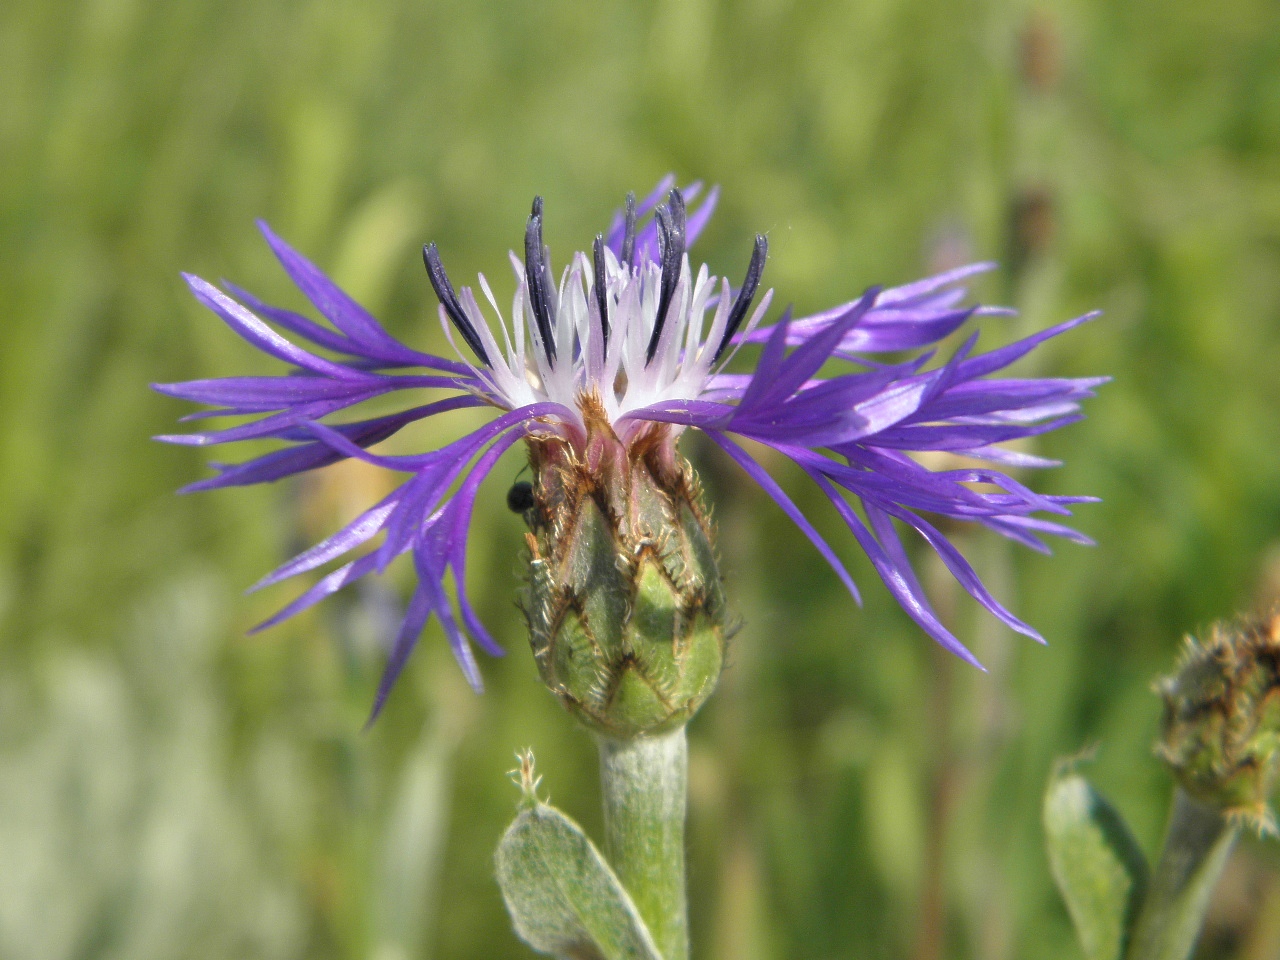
[746,293]
[629,232]
[671,243]
[538,278]
[449,300]
[602,296]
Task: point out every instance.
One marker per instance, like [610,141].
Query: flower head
[1220,734]
[606,368]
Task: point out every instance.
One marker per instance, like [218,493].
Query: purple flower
[632,330]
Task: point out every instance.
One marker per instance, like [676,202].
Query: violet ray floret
[633,345]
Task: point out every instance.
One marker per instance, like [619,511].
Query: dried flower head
[1221,728]
[600,374]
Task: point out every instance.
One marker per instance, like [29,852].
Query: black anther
[602,294]
[444,291]
[746,293]
[629,233]
[671,243]
[538,279]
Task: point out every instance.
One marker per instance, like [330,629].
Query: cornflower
[600,374]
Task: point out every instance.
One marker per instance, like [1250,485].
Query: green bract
[624,602]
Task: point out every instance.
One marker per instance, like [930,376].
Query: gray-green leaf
[563,898]
[1098,866]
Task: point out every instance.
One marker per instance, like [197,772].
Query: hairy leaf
[563,898]
[1098,866]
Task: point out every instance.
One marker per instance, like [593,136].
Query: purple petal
[959,567]
[808,358]
[887,536]
[827,411]
[314,454]
[770,486]
[415,618]
[430,574]
[1010,458]
[908,335]
[384,355]
[962,436]
[295,322]
[261,394]
[865,419]
[880,330]
[267,468]
[299,433]
[884,478]
[462,504]
[901,318]
[929,284]
[704,414]
[979,397]
[769,363]
[327,585]
[270,426]
[337,441]
[332,301]
[998,359]
[262,336]
[1007,526]
[918,490]
[1016,534]
[360,530]
[898,582]
[284,425]
[424,491]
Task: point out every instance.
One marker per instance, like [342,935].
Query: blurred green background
[170,788]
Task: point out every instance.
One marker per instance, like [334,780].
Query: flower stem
[1195,850]
[644,782]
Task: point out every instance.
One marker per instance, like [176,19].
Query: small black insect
[520,497]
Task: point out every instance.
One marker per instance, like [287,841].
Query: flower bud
[624,602]
[1221,727]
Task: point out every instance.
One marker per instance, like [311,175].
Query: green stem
[1195,851]
[644,783]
